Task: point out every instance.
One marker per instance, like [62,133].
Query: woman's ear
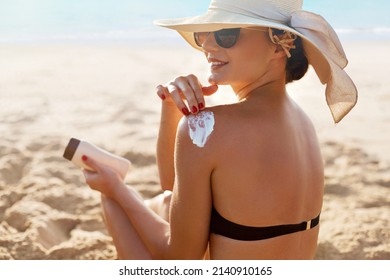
[279,51]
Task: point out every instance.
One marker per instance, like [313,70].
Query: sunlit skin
[261,165]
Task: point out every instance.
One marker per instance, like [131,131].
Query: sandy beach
[105,94]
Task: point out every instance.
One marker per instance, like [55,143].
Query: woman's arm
[170,117]
[192,197]
[186,236]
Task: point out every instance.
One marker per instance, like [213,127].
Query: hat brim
[210,22]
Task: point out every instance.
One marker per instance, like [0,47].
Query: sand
[105,94]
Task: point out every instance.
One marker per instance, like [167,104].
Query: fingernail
[185,111]
[201,106]
[194,109]
[163,97]
[84,158]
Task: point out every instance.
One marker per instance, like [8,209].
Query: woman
[246,178]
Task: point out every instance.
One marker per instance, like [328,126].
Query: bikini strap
[221,226]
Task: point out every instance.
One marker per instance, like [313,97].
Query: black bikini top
[221,226]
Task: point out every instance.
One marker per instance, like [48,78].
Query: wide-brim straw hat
[321,43]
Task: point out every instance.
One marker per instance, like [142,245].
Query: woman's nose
[210,43]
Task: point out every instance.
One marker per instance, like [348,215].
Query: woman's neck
[258,89]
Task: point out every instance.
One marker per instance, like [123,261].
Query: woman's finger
[175,93]
[189,90]
[90,163]
[209,90]
[198,103]
[162,92]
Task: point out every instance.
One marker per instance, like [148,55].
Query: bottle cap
[71,148]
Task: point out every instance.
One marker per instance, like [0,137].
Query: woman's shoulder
[197,138]
[203,129]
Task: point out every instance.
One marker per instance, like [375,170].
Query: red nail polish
[201,106]
[194,109]
[84,158]
[185,111]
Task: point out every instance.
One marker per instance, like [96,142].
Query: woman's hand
[104,179]
[187,93]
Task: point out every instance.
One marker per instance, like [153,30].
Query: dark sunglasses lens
[200,38]
[227,38]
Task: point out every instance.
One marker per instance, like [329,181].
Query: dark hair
[297,65]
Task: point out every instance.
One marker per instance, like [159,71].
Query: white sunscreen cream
[76,149]
[200,127]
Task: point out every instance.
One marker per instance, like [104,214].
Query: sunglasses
[225,38]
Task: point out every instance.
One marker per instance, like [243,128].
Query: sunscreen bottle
[77,148]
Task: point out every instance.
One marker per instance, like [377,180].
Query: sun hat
[321,43]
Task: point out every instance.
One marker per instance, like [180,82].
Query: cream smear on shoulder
[200,127]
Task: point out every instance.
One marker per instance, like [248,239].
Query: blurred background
[29,21]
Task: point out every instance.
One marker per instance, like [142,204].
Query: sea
[131,21]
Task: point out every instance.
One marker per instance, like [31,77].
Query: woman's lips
[216,64]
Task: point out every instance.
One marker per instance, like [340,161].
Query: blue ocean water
[30,21]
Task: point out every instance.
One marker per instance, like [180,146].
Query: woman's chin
[215,80]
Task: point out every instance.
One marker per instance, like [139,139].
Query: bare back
[268,171]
